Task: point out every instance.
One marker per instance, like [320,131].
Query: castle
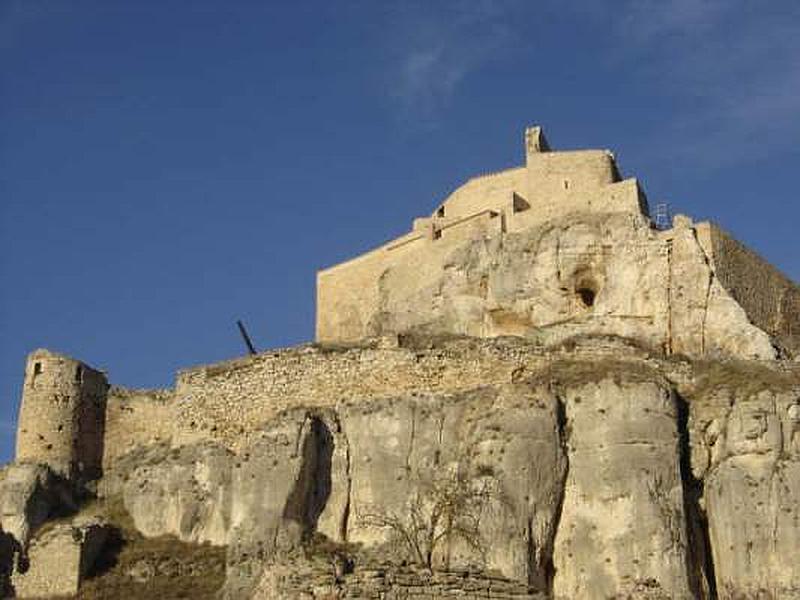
[559,247]
[600,266]
[615,405]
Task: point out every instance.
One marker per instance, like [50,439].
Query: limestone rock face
[614,486]
[751,472]
[506,442]
[362,473]
[29,494]
[280,486]
[591,274]
[187,493]
[623,525]
[603,471]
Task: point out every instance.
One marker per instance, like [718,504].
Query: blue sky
[167,167]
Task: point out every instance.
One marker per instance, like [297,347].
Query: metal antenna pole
[246,337]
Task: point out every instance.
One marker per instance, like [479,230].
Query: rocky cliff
[619,473]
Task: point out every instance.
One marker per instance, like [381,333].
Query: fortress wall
[486,192]
[349,292]
[136,418]
[563,178]
[231,400]
[770,299]
[486,222]
[622,196]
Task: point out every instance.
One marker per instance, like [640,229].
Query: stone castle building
[511,273]
[559,246]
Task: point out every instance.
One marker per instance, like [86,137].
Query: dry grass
[134,567]
[744,378]
[566,371]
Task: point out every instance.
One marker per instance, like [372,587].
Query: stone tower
[62,415]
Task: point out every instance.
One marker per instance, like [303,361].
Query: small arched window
[37,370]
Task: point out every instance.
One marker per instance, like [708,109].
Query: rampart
[136,418]
[230,401]
[770,299]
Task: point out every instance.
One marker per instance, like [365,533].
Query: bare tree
[442,511]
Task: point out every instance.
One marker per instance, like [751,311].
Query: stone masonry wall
[229,401]
[136,418]
[482,192]
[59,558]
[307,582]
[771,300]
[61,414]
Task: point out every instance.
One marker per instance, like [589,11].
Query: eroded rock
[752,490]
[623,525]
[29,494]
[186,494]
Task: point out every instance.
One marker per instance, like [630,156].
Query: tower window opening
[79,374]
[440,212]
[37,369]
[437,234]
[566,184]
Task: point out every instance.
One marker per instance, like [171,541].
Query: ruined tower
[62,414]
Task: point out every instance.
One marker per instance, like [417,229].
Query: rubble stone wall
[227,401]
[771,300]
[136,418]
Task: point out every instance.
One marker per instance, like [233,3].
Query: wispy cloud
[440,44]
[732,69]
[728,69]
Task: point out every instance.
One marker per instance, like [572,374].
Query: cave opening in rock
[586,295]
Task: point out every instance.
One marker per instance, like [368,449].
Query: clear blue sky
[167,166]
